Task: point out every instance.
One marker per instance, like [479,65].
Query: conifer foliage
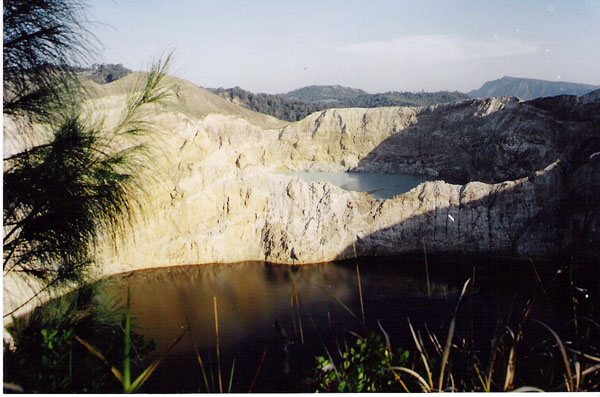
[83,178]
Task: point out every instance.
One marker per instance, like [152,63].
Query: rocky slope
[515,165]
[525,182]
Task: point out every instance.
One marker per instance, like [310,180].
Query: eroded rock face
[223,203]
[526,183]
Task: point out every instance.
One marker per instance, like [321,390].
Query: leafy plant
[363,367]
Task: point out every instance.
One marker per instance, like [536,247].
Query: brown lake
[290,314]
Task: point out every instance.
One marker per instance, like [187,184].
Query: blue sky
[377,45]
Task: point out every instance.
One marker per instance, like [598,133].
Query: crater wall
[524,179]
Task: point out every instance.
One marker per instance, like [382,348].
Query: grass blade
[362,306]
[577,375]
[492,359]
[590,370]
[212,375]
[563,352]
[299,316]
[339,301]
[231,376]
[418,377]
[510,369]
[218,345]
[426,269]
[335,370]
[421,351]
[96,353]
[198,357]
[434,340]
[446,353]
[140,380]
[480,378]
[388,344]
[596,359]
[127,362]
[292,304]
[262,361]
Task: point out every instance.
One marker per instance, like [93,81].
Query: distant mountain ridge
[297,104]
[529,88]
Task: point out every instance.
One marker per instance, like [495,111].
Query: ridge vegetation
[105,72]
[297,104]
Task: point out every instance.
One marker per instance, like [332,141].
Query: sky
[377,45]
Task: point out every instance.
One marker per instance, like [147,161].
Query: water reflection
[258,315]
[249,296]
[253,297]
[380,186]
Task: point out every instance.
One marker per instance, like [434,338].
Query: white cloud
[430,49]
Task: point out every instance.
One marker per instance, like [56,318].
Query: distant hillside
[529,88]
[286,107]
[282,108]
[323,93]
[191,100]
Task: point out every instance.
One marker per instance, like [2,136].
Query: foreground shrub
[45,357]
[363,367]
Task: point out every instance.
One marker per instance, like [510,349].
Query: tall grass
[48,356]
[125,376]
[210,386]
[521,360]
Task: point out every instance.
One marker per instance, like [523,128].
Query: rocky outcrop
[521,179]
[592,97]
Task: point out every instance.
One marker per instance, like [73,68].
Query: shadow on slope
[551,213]
[491,140]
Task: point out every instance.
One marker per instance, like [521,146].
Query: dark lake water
[381,186]
[253,297]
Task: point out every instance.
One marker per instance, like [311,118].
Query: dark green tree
[44,41]
[81,178]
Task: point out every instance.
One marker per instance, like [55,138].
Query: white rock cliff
[523,184]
